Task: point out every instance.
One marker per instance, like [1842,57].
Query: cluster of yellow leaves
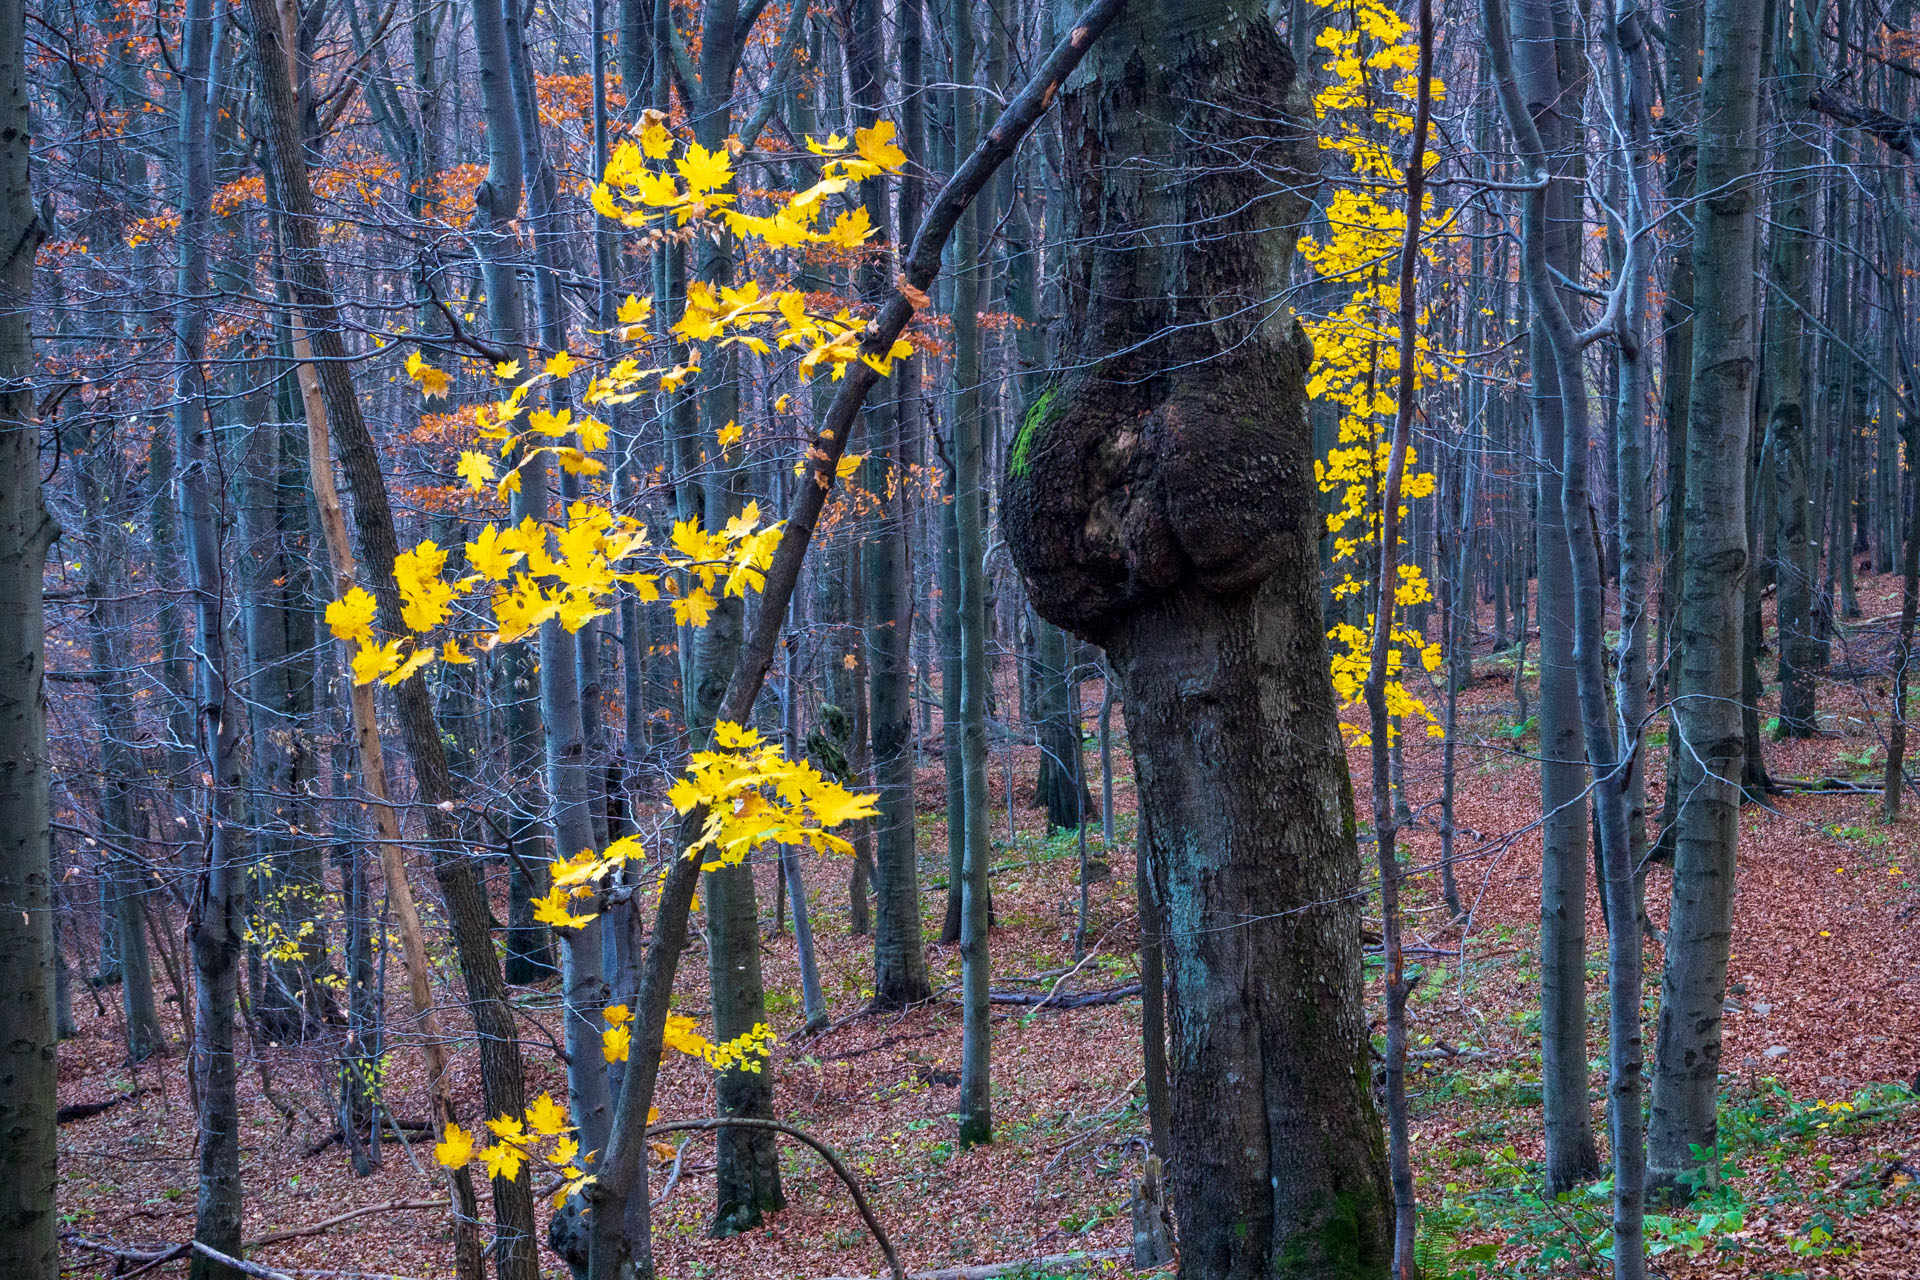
[543,1135]
[580,877]
[571,572]
[748,1051]
[537,572]
[636,194]
[754,796]
[1364,109]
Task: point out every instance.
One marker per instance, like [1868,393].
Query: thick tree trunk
[1712,605]
[1158,502]
[28,1220]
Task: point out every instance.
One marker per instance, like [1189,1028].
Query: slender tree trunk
[1552,103]
[216,919]
[1790,297]
[1894,780]
[970,506]
[900,965]
[1711,741]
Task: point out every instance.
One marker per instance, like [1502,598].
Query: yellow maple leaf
[493,553]
[433,381]
[635,310]
[451,652]
[561,365]
[729,434]
[503,1161]
[455,1150]
[616,1043]
[419,658]
[507,370]
[423,596]
[371,661]
[694,608]
[876,146]
[546,1116]
[350,617]
[552,910]
[850,230]
[476,469]
[833,804]
[617,1014]
[704,170]
[655,141]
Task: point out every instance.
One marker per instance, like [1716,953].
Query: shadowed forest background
[813,638]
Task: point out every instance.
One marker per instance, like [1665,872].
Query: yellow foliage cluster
[754,796]
[747,1052]
[542,1135]
[1365,108]
[572,571]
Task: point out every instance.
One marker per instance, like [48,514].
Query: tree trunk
[1158,502]
[29,1222]
[501,1070]
[1790,298]
[1712,605]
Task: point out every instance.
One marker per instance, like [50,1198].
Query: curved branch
[827,1153]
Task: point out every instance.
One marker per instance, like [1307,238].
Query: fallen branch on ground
[988,1271]
[1078,1000]
[81,1110]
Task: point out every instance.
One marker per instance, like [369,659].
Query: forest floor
[1820,1123]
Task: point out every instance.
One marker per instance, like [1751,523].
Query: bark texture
[1159,503]
[1713,576]
[28,1223]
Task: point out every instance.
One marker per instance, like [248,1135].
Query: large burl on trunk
[1159,502]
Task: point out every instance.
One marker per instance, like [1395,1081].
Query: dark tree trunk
[1159,503]
[28,1221]
[501,1070]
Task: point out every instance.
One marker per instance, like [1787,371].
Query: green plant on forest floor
[1768,1141]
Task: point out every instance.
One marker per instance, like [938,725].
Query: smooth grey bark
[1679,118]
[1789,300]
[29,1221]
[1707,685]
[569,765]
[950,721]
[496,205]
[216,920]
[1061,788]
[899,951]
[1158,503]
[1542,46]
[109,585]
[975,1104]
